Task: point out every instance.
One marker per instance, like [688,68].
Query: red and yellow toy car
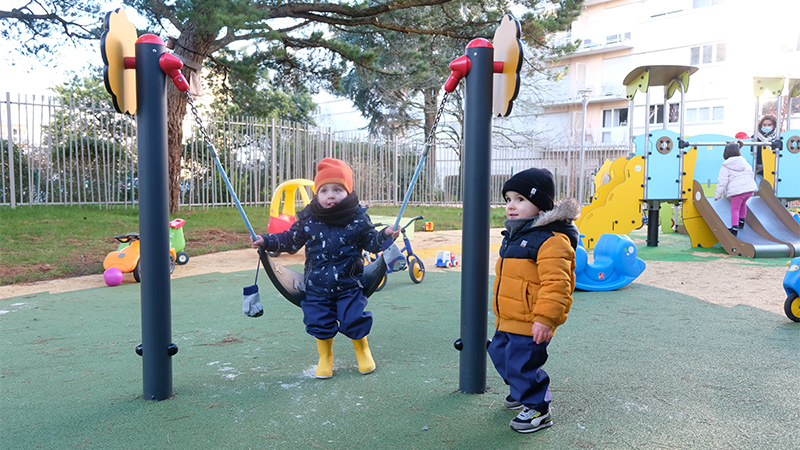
[284,202]
[126,258]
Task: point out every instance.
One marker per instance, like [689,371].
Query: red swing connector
[460,67]
[172,66]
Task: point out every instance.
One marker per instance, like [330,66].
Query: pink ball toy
[113,276]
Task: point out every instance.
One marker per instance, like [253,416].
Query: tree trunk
[176,105]
[176,111]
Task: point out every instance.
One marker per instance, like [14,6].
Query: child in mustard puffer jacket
[532,291]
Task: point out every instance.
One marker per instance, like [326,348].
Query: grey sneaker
[510,403]
[530,420]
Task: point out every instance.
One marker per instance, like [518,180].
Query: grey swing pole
[477,164]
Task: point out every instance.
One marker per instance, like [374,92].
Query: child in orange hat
[335,229]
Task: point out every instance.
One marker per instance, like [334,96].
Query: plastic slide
[750,242]
[766,211]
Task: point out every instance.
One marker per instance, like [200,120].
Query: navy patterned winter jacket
[334,263]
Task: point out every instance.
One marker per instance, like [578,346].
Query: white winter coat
[735,177]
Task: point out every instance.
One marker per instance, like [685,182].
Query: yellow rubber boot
[365,362]
[325,365]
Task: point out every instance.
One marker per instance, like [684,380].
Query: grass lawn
[49,242]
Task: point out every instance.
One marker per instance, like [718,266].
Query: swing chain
[432,134]
[199,122]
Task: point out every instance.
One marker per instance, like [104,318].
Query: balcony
[601,92]
[593,45]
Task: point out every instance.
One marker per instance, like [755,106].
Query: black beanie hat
[534,184]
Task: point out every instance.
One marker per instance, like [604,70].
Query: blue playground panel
[615,264]
[789,166]
[709,159]
[662,164]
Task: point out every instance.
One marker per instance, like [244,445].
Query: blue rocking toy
[615,264]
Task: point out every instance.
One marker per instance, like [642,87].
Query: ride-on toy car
[446,258]
[280,219]
[791,284]
[126,258]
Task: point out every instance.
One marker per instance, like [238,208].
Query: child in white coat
[735,180]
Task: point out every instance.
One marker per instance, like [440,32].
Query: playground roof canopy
[659,75]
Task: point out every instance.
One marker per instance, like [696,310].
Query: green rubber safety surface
[635,368]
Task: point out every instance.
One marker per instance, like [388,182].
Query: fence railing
[68,152]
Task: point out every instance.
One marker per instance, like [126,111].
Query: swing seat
[292,284]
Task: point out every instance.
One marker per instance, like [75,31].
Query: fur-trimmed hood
[567,209]
[559,219]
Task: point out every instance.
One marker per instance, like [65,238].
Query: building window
[614,122]
[791,45]
[617,117]
[721,49]
[694,59]
[707,54]
[703,3]
[657,113]
[705,114]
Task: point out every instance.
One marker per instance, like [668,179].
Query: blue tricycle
[791,284]
[416,270]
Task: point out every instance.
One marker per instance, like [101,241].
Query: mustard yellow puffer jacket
[536,270]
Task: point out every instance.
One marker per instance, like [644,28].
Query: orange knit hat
[331,170]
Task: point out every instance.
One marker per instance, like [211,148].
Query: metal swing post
[475,238]
[151,98]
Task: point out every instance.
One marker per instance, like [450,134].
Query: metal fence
[69,152]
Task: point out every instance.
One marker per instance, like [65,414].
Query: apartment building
[729,41]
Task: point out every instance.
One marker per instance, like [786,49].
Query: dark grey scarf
[338,216]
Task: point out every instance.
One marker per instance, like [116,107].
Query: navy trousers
[519,361]
[324,317]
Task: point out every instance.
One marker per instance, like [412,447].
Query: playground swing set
[134,74]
